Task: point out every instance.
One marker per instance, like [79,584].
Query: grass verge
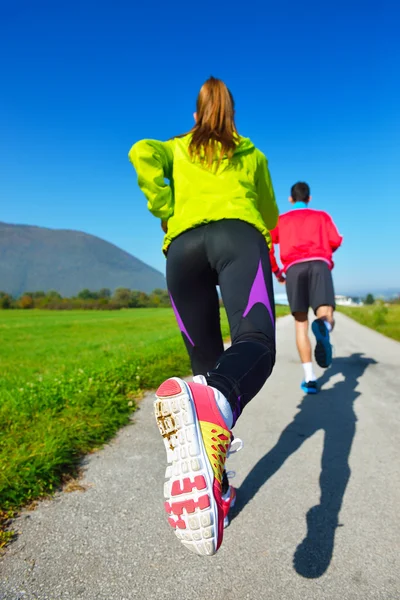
[69,380]
[382,318]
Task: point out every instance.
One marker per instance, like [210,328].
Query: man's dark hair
[300,192]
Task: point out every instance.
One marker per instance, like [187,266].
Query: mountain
[39,259]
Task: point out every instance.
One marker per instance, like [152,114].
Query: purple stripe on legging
[180,322]
[259,293]
[236,411]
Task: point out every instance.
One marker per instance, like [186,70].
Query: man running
[307,240]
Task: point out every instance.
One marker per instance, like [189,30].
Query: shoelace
[236,444]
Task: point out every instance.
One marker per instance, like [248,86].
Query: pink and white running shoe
[197,442]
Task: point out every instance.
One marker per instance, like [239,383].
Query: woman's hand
[164,226]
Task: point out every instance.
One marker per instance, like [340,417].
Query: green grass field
[385,319]
[68,381]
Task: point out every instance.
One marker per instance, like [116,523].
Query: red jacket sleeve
[335,239]
[275,235]
[274,265]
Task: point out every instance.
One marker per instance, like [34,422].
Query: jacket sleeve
[275,235]
[266,196]
[335,239]
[153,162]
[274,265]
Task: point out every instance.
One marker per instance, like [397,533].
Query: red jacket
[304,234]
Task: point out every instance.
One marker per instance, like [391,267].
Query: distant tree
[159,297]
[104,293]
[144,300]
[154,300]
[5,300]
[88,300]
[26,301]
[122,296]
[88,295]
[137,299]
[35,294]
[369,299]
[53,295]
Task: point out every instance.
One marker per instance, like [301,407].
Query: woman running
[217,208]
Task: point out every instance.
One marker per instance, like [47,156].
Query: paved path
[318,499]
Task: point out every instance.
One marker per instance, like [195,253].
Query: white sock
[328,326]
[222,402]
[224,407]
[309,374]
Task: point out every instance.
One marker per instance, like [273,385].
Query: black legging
[235,256]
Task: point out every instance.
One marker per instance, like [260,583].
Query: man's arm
[275,235]
[335,239]
[274,265]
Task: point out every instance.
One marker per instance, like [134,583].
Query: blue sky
[316,87]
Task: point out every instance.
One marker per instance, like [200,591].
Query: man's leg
[297,285]
[304,348]
[326,314]
[302,340]
[322,300]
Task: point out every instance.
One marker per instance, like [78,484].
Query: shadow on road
[332,411]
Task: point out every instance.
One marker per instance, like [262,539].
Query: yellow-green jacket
[237,188]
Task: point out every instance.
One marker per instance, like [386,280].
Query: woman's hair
[215,133]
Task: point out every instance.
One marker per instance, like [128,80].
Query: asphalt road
[317,515]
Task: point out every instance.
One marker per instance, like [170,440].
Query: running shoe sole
[323,349]
[190,503]
[307,390]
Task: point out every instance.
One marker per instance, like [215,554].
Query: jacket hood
[245,145]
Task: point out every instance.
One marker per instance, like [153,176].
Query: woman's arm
[266,196]
[153,161]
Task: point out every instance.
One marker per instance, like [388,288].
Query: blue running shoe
[323,349]
[309,387]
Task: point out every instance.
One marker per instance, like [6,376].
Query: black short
[309,284]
